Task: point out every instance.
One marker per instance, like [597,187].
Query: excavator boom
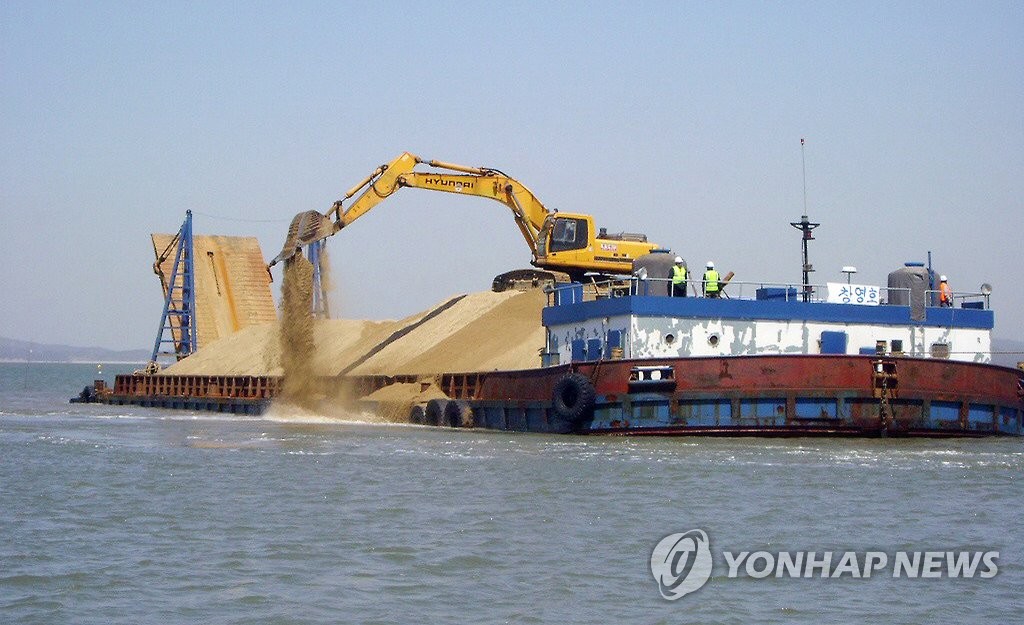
[310,226]
[560,241]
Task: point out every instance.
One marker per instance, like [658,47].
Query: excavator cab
[569,233]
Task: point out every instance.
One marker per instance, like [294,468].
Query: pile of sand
[505,337]
[475,332]
[256,350]
[478,332]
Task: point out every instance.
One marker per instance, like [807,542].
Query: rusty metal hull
[247,394]
[834,395]
[791,395]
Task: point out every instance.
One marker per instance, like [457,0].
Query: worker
[945,293]
[678,278]
[712,287]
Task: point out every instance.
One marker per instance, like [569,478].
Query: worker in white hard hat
[712,285]
[945,293]
[678,278]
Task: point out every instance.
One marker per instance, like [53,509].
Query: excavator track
[522,279]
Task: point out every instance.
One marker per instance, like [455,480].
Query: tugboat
[846,360]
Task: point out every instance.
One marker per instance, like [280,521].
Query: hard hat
[679,260]
[711,265]
[942,278]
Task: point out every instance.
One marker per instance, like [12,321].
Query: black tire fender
[458,414]
[434,414]
[573,398]
[417,414]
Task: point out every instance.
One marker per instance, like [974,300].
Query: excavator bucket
[306,227]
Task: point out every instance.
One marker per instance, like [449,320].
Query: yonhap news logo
[682,563]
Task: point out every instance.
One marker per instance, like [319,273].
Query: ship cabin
[641,319]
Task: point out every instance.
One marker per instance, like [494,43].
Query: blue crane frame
[180,301]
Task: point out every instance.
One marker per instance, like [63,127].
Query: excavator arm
[528,211]
[558,241]
[530,214]
[310,226]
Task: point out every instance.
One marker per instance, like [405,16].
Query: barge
[634,360]
[647,363]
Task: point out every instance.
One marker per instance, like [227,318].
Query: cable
[259,221]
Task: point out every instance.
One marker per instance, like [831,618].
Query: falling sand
[298,348]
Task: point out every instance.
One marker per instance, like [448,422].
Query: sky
[681,120]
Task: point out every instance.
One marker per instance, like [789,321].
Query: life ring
[434,414]
[573,398]
[458,414]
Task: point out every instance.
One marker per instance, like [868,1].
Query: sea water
[114,514]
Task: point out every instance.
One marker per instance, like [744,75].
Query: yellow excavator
[564,245]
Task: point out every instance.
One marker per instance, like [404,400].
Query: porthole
[670,338]
[713,340]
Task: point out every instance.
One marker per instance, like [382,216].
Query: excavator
[564,246]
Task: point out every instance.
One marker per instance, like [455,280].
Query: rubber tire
[434,414]
[417,415]
[573,399]
[458,414]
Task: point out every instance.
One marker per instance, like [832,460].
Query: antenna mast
[805,226]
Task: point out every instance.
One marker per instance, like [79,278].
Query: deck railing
[744,290]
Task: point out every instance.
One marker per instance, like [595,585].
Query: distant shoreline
[71,362]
